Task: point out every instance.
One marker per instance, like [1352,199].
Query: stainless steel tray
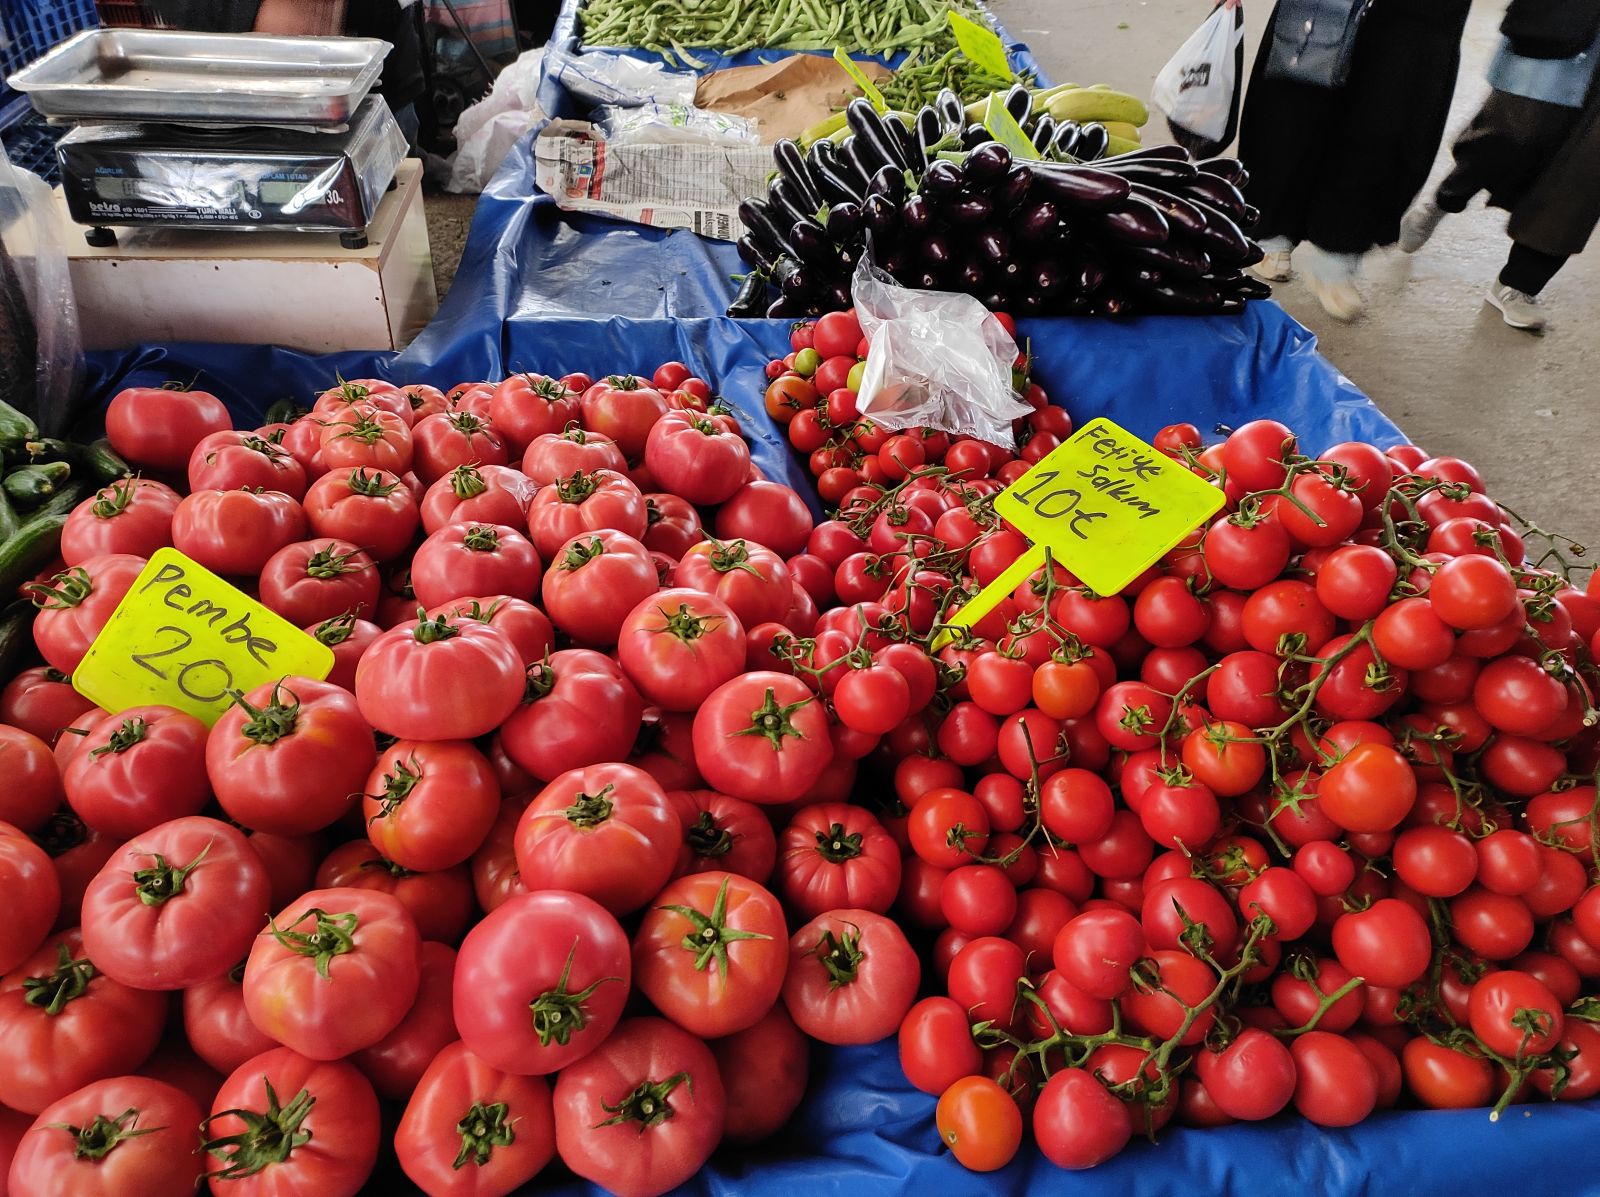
[203,78]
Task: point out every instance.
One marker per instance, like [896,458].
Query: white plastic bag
[935,358]
[603,78]
[486,131]
[1200,86]
[665,123]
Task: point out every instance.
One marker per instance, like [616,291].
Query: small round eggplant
[812,244]
[1011,191]
[1036,222]
[889,181]
[882,216]
[1046,276]
[971,210]
[1029,303]
[971,275]
[844,221]
[936,250]
[927,280]
[994,250]
[942,179]
[917,214]
[987,164]
[837,296]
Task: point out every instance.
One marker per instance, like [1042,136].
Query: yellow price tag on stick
[1105,504]
[868,88]
[981,45]
[183,637]
[1003,128]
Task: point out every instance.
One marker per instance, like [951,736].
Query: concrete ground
[1524,409]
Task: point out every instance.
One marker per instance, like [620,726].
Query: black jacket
[1551,28]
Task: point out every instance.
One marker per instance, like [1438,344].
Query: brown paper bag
[787,97]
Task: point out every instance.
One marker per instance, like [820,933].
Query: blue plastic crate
[29,28]
[29,140]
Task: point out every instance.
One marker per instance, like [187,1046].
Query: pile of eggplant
[940,205]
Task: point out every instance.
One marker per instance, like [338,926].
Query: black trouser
[1504,149]
[1528,270]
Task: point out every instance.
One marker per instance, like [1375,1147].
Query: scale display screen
[277,192]
[123,188]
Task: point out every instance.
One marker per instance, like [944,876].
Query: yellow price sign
[981,45]
[1105,504]
[868,88]
[184,638]
[1003,128]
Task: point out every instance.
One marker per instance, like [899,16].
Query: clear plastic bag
[674,122]
[1200,86]
[41,353]
[488,129]
[617,79]
[935,358]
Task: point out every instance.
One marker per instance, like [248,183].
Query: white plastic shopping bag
[1200,86]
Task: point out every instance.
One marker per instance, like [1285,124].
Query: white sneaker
[1339,298]
[1274,268]
[1417,225]
[1519,309]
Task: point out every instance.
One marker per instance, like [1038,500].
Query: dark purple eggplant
[971,275]
[833,179]
[872,134]
[930,129]
[1078,186]
[1090,277]
[837,296]
[1230,169]
[1180,299]
[784,308]
[1175,152]
[951,110]
[852,164]
[1045,276]
[974,136]
[791,277]
[927,280]
[1112,304]
[1029,303]
[1255,254]
[1093,139]
[987,164]
[1019,102]
[995,301]
[1066,139]
[1217,192]
[905,135]
[1044,132]
[971,210]
[1175,258]
[751,299]
[1010,192]
[936,250]
[897,262]
[1222,239]
[1245,286]
[849,255]
[752,251]
[1180,213]
[844,221]
[889,181]
[756,215]
[942,179]
[1142,276]
[882,216]
[1137,222]
[813,245]
[994,250]
[1036,222]
[917,214]
[1250,217]
[792,166]
[1157,172]
[788,206]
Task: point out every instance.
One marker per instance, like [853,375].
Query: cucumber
[9,520]
[64,500]
[29,550]
[48,448]
[103,462]
[16,430]
[28,486]
[16,626]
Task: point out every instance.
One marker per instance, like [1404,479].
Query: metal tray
[203,78]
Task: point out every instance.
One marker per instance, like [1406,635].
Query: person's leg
[1331,277]
[1516,292]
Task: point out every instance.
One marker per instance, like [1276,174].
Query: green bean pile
[917,82]
[671,27]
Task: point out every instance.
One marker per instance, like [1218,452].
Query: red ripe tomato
[1495,926]
[1065,689]
[767,513]
[1168,614]
[672,525]
[594,581]
[79,1026]
[230,460]
[235,532]
[527,406]
[1246,555]
[75,604]
[451,439]
[762,737]
[835,855]
[440,680]
[132,515]
[1250,1079]
[1132,715]
[1515,1014]
[554,456]
[467,559]
[1472,592]
[642,1113]
[605,831]
[852,976]
[712,952]
[1372,788]
[177,906]
[138,769]
[978,900]
[1254,454]
[1388,943]
[1177,978]
[440,903]
[948,827]
[1410,634]
[527,627]
[1435,861]
[1445,1079]
[837,334]
[33,780]
[1096,950]
[478,494]
[752,580]
[289,757]
[1331,512]
[582,503]
[283,1125]
[1286,612]
[872,700]
[764,1069]
[541,981]
[335,972]
[1078,1122]
[677,646]
[723,833]
[1226,757]
[625,409]
[1354,582]
[315,580]
[361,392]
[936,1047]
[370,508]
[428,805]
[696,459]
[35,896]
[157,428]
[122,1137]
[983,980]
[464,1112]
[1518,695]
[581,710]
[1335,1083]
